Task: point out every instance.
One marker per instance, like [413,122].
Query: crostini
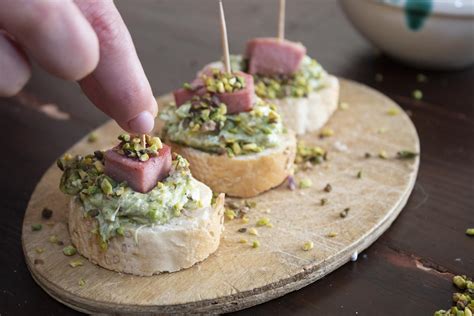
[235,142]
[305,94]
[137,209]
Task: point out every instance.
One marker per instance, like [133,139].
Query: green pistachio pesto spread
[310,77]
[203,123]
[116,206]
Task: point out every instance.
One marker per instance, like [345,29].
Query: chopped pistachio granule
[470,231]
[92,138]
[383,154]
[326,132]
[421,78]
[69,250]
[81,282]
[344,212]
[253,231]
[243,241]
[344,106]
[134,147]
[308,245]
[245,219]
[230,214]
[307,153]
[75,263]
[223,82]
[39,250]
[324,201]
[332,234]
[305,183]
[393,111]
[406,154]
[382,130]
[255,244]
[264,221]
[36,227]
[359,174]
[46,213]
[328,188]
[53,239]
[417,94]
[463,299]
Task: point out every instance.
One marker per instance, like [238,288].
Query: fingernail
[142,123]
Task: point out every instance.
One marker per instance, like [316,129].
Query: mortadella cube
[272,56]
[141,176]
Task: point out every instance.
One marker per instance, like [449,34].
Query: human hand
[81,40]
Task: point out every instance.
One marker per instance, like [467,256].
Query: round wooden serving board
[238,276]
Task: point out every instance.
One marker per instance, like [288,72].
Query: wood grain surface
[407,271]
[237,275]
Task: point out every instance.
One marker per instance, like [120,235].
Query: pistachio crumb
[46,213]
[242,230]
[36,227]
[344,105]
[53,239]
[406,154]
[243,241]
[39,250]
[255,244]
[324,201]
[332,234]
[393,111]
[81,282]
[75,263]
[383,154]
[382,130]
[305,183]
[344,213]
[69,250]
[417,94]
[264,221]
[245,219]
[421,78]
[326,132]
[359,174]
[459,281]
[253,231]
[92,137]
[470,231]
[328,188]
[308,246]
[230,214]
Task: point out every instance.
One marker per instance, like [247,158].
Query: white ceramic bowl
[435,34]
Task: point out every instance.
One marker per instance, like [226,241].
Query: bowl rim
[450,8]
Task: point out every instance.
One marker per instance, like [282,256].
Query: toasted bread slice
[310,114]
[242,176]
[149,250]
[304,114]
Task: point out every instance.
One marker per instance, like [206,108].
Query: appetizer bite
[136,208]
[306,95]
[235,142]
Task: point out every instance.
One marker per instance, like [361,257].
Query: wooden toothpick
[225,43]
[281,21]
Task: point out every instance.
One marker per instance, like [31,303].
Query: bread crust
[242,176]
[177,245]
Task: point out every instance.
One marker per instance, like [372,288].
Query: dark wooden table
[407,271]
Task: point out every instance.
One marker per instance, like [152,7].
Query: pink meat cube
[140,176]
[271,56]
[239,101]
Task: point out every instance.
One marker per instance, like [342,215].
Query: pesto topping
[203,123]
[307,79]
[116,206]
[134,147]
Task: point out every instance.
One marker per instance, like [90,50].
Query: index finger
[118,86]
